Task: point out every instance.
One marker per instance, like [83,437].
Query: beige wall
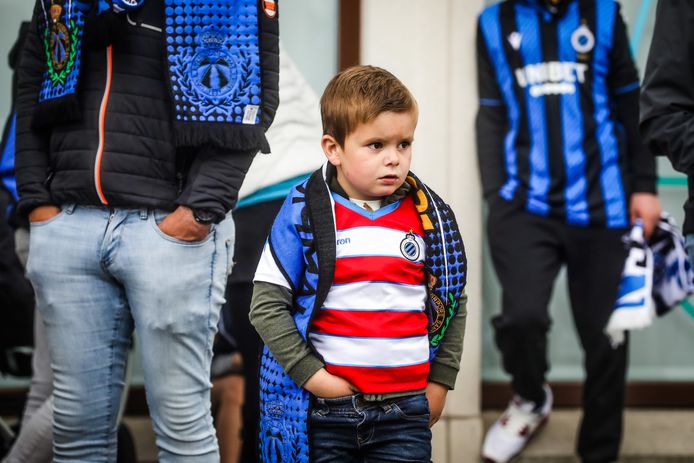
[430,46]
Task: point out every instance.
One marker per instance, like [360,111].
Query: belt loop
[144,213]
[70,208]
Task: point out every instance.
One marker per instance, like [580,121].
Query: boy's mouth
[389,178]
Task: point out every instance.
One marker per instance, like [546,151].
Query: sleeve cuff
[304,369]
[25,206]
[644,185]
[443,374]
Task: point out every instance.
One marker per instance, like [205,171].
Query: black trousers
[528,251]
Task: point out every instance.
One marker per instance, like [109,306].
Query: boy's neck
[368,205]
[335,186]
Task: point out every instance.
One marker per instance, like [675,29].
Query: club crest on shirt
[582,39]
[410,248]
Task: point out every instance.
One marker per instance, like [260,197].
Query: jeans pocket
[414,407]
[157,216]
[336,408]
[43,223]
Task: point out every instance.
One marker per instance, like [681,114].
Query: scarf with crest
[222,63]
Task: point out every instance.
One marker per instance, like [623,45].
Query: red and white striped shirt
[372,329]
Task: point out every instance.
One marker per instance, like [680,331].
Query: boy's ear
[332,149]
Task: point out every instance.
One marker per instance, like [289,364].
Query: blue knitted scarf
[214,50]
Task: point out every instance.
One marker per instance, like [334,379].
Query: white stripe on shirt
[374,241]
[372,352]
[369,295]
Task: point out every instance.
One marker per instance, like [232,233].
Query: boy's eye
[377,145]
[404,145]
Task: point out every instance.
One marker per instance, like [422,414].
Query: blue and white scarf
[217,51]
[657,276]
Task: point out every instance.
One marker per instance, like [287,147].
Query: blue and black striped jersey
[557,127]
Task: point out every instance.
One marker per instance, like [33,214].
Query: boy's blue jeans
[350,429]
[99,272]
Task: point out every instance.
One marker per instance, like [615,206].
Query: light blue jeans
[99,272]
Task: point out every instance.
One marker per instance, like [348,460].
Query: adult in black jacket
[135,127]
[667,98]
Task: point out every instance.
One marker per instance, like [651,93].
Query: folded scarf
[222,62]
[657,276]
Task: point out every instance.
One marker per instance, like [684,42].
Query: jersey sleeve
[282,261]
[623,76]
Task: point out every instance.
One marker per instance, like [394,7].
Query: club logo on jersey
[410,248]
[270,8]
[582,39]
[514,38]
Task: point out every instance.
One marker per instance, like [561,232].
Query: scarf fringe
[227,136]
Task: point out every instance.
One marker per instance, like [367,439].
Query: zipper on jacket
[102,125]
[49,177]
[179,183]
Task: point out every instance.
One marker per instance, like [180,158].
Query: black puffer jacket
[122,151]
[667,94]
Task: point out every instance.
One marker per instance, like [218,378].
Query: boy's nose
[392,156]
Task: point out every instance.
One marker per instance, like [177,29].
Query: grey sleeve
[445,366]
[271,315]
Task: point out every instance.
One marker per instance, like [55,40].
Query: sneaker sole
[539,428]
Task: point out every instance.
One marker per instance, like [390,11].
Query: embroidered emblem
[409,247]
[214,62]
[514,38]
[275,409]
[270,8]
[279,442]
[60,45]
[215,71]
[582,39]
[439,312]
[59,39]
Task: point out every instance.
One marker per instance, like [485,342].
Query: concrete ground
[650,436]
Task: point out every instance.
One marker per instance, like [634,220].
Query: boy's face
[376,156]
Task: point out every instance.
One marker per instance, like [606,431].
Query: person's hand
[436,395]
[645,206]
[326,385]
[181,224]
[43,213]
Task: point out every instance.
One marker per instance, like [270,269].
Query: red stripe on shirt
[384,380]
[370,324]
[378,268]
[404,218]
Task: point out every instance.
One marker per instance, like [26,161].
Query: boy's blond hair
[358,95]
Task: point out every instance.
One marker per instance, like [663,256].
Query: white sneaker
[512,431]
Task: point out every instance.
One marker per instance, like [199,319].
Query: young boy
[359,292]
